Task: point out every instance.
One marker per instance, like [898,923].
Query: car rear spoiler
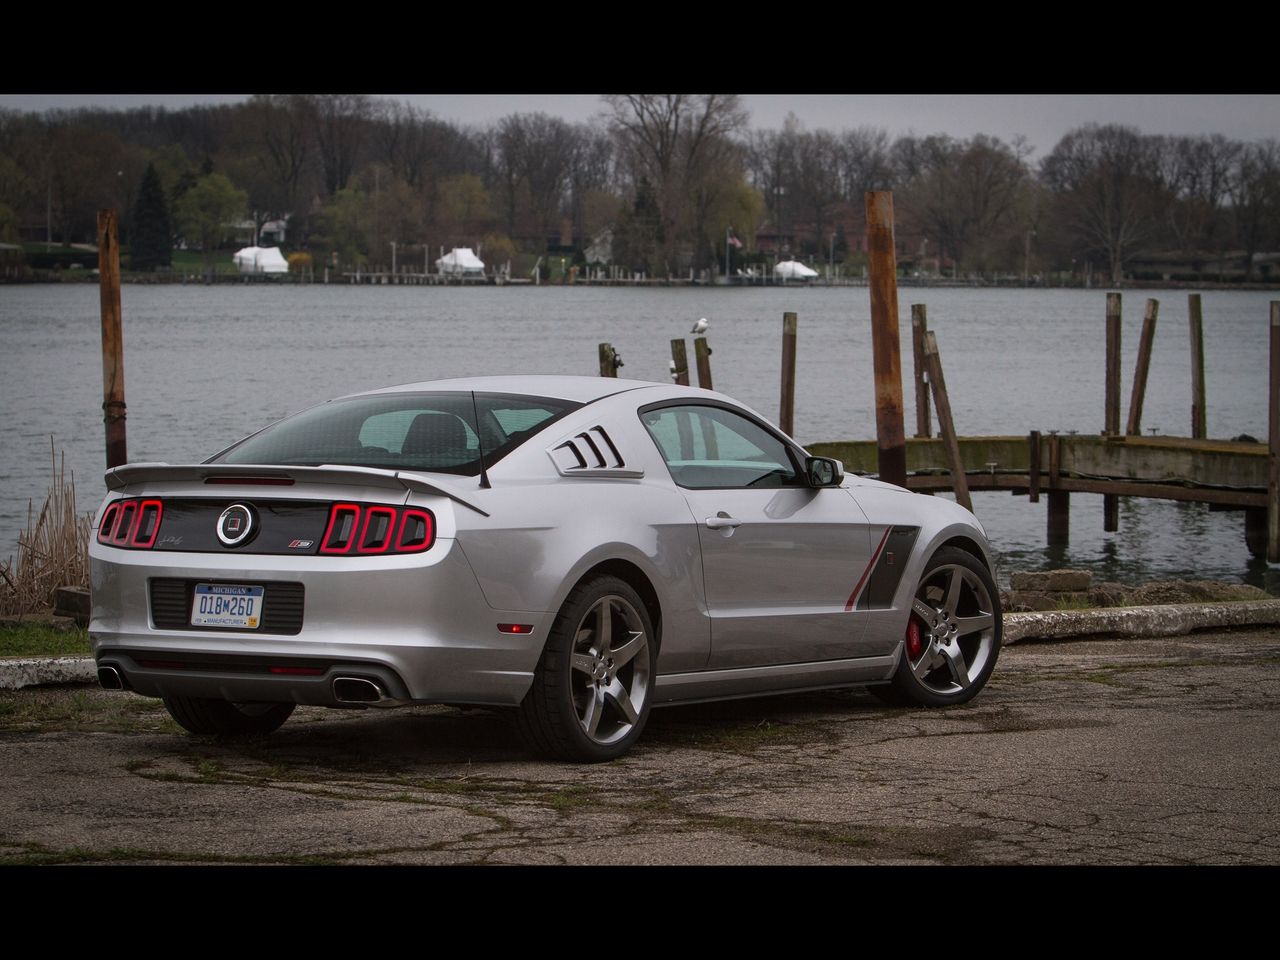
[117,478]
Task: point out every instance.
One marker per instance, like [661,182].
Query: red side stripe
[853,597]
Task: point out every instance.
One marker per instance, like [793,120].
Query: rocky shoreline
[1076,590]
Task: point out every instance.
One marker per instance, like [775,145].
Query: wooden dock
[1230,475]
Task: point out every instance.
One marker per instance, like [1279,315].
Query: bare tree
[1198,172]
[341,127]
[817,184]
[676,142]
[1109,189]
[963,192]
[1255,198]
[865,162]
[535,159]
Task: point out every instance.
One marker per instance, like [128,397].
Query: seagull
[701,326]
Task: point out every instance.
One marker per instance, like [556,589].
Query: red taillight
[344,524]
[132,523]
[365,529]
[417,531]
[515,628]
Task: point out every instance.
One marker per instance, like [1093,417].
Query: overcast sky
[1041,118]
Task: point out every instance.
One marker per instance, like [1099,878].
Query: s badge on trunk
[235,524]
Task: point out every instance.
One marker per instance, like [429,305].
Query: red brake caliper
[915,646]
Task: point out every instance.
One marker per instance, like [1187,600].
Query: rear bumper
[418,624]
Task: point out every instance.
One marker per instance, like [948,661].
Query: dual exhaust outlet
[353,690]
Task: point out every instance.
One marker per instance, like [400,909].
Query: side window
[707,447]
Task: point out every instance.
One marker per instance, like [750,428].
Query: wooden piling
[787,402]
[1059,515]
[1110,502]
[920,326]
[608,360]
[1273,412]
[702,352]
[113,405]
[1199,421]
[680,358]
[1133,428]
[885,347]
[1033,470]
[946,426]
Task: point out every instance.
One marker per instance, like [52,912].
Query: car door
[781,560]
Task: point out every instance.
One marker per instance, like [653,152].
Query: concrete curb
[1165,620]
[33,671]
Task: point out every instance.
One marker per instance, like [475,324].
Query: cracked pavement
[1155,751]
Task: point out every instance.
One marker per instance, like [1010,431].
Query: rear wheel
[223,718]
[953,634]
[593,686]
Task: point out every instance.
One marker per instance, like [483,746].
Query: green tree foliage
[207,213]
[151,244]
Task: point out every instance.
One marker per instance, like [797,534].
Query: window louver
[591,453]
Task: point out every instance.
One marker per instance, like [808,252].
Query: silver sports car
[578,550]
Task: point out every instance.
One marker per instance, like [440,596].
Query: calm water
[206,365]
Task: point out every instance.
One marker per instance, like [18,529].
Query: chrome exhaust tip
[358,690]
[109,678]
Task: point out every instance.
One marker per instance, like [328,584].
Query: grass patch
[42,710]
[38,640]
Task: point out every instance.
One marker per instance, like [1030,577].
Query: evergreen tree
[152,234]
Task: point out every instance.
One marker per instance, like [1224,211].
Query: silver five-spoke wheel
[592,689]
[610,667]
[953,632]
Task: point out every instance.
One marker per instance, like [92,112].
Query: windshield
[434,432]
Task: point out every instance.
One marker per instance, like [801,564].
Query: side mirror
[824,471]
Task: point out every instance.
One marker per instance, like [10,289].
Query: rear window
[404,431]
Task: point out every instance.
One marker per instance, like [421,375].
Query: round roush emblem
[235,524]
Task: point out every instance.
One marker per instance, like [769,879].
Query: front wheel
[222,718]
[593,686]
[953,633]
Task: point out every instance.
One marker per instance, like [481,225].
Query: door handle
[722,521]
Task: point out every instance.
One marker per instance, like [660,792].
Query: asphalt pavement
[1122,751]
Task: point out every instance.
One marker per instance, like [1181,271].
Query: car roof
[580,389]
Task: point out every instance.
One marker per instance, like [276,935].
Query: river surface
[206,365]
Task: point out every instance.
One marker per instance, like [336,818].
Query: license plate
[227,605]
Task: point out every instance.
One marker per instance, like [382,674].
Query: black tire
[222,718]
[957,625]
[593,687]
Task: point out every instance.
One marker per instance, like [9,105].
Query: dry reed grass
[53,551]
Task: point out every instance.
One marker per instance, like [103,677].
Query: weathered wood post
[787,403]
[113,406]
[1133,428]
[946,426]
[1273,409]
[1110,502]
[891,441]
[1033,466]
[1199,420]
[702,351]
[1059,520]
[609,360]
[919,327]
[681,359]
